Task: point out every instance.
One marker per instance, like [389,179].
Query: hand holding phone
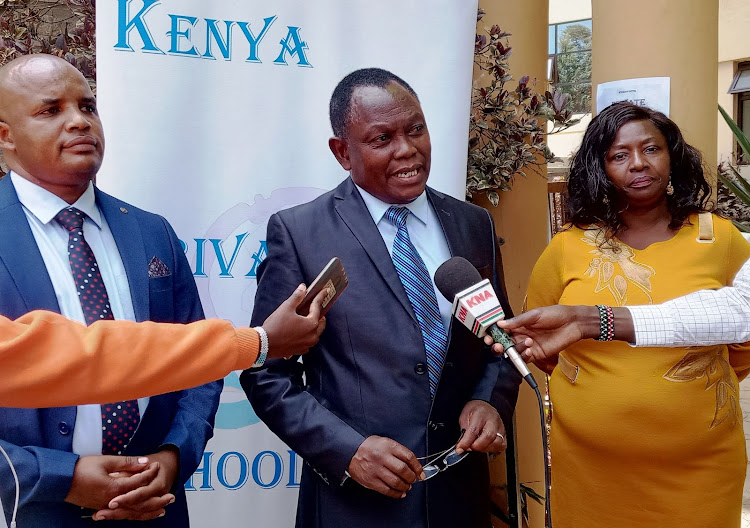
[333,279]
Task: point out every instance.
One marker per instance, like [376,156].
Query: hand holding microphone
[475,304]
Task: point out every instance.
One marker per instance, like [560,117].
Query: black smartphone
[333,279]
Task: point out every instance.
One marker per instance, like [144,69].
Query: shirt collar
[45,205]
[419,207]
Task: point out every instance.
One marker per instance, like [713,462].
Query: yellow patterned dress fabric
[644,437]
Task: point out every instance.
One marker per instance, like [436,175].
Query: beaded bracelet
[263,347]
[606,323]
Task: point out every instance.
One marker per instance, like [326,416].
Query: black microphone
[475,304]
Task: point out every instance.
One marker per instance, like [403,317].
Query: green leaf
[739,180]
[745,228]
[741,138]
[741,193]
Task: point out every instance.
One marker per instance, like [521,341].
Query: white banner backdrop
[216,116]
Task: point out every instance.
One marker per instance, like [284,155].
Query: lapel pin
[124,210]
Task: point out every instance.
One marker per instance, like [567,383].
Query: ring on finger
[500,436]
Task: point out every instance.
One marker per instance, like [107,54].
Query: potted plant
[508,124]
[730,176]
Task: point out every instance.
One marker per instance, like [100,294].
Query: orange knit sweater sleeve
[47,360]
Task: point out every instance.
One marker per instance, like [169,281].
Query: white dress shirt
[425,232]
[702,318]
[41,206]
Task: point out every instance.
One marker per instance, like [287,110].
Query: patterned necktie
[421,292]
[119,419]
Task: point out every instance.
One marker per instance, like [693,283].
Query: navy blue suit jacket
[367,375]
[39,441]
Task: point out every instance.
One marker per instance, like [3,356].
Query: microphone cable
[502,338]
[547,474]
[499,336]
[18,487]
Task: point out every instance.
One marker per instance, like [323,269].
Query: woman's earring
[605,200]
[670,187]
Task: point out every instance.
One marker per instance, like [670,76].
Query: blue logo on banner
[190,36]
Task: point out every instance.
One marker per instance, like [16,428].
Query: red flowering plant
[509,120]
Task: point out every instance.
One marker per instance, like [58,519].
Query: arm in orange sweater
[47,360]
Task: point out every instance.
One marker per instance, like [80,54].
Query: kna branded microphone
[476,305]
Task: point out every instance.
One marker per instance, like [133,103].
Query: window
[569,65]
[741,87]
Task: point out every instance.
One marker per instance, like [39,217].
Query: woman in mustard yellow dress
[642,437]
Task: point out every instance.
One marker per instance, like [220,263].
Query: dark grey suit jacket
[367,375]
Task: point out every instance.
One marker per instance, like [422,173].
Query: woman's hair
[593,199]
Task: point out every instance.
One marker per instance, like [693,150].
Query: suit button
[63,428]
[420,368]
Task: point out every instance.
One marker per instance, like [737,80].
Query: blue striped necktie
[421,292]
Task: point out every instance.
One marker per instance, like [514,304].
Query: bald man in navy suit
[53,142]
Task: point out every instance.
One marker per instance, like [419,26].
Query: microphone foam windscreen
[454,275]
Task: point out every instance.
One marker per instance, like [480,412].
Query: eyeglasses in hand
[441,461]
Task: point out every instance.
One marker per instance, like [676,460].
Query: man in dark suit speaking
[67,247]
[390,382]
